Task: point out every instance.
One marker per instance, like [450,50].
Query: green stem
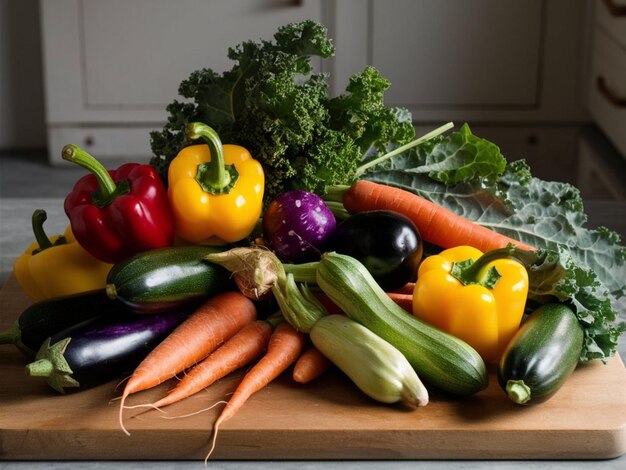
[304,272]
[471,273]
[11,336]
[275,319]
[338,209]
[434,133]
[39,217]
[107,187]
[214,176]
[40,368]
[335,193]
[518,391]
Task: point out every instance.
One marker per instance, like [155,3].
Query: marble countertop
[15,236]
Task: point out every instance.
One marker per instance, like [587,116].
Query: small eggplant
[45,318]
[100,349]
[387,243]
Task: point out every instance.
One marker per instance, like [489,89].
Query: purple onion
[296,224]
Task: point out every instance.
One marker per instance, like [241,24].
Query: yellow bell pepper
[476,298]
[214,190]
[57,266]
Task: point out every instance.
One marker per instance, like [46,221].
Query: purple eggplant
[101,349]
[43,319]
[387,243]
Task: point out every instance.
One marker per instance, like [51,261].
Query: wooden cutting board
[327,419]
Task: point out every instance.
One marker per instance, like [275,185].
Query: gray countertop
[15,236]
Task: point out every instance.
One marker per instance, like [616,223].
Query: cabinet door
[487,60]
[111,67]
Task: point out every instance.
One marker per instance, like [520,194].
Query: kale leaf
[588,265]
[272,103]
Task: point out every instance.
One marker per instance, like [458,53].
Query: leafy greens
[469,176]
[273,104]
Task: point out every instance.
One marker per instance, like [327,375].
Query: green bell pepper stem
[214,176]
[107,190]
[467,272]
[75,154]
[39,217]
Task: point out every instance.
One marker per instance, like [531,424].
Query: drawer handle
[614,9]
[609,94]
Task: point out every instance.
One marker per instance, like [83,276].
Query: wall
[21,78]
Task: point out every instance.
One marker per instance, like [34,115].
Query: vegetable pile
[276,226]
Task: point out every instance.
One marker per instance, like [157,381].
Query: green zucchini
[542,355]
[439,358]
[167,278]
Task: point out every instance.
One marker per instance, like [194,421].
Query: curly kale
[272,103]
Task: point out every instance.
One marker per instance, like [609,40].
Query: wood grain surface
[327,419]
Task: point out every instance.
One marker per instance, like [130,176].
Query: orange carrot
[403,300]
[208,327]
[435,223]
[310,365]
[285,346]
[245,346]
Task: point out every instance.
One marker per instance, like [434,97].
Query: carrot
[285,346]
[218,319]
[435,223]
[403,300]
[310,365]
[245,346]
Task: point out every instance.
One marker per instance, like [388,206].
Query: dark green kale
[272,103]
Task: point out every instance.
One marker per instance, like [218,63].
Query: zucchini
[375,366]
[167,278]
[45,318]
[541,355]
[439,358]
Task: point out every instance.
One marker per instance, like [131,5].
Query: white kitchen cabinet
[606,80]
[112,67]
[484,60]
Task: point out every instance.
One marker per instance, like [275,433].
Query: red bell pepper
[115,214]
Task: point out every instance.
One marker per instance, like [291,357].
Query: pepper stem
[107,189]
[75,154]
[39,217]
[473,270]
[214,176]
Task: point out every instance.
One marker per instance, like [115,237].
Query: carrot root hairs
[210,325]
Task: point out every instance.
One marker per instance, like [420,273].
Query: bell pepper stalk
[118,213]
[57,266]
[479,298]
[215,190]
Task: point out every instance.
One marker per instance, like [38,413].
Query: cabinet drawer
[607,88]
